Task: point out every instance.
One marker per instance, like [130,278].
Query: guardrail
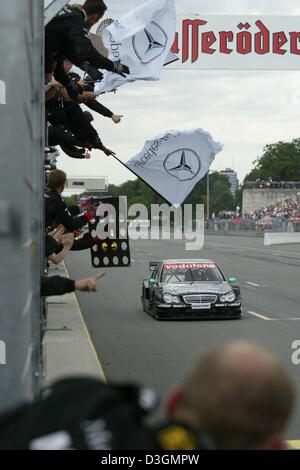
[248,225]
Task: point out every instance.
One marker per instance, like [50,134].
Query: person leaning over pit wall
[66,37]
[236,397]
[57,285]
[56,209]
[58,244]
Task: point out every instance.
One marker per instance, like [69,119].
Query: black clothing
[88,415]
[56,114]
[72,118]
[56,285]
[62,137]
[73,152]
[67,36]
[57,210]
[94,105]
[83,243]
[85,414]
[51,246]
[67,142]
[80,125]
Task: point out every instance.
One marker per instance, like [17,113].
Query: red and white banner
[237,42]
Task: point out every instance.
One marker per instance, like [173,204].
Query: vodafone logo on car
[189,266]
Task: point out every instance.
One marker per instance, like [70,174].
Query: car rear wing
[153,265]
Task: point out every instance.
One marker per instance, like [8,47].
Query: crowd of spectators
[274,217]
[270,184]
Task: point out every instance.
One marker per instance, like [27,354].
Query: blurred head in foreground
[239,396]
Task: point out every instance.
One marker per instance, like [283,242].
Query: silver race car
[190,289]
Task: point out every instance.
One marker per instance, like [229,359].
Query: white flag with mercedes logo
[142,40]
[174,162]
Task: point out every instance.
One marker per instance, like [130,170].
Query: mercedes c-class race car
[188,289]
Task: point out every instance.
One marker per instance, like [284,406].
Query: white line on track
[258,315]
[253,284]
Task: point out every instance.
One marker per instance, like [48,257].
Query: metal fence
[272,224]
[21,199]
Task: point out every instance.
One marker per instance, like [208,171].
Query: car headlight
[223,298]
[168,298]
[230,297]
[171,299]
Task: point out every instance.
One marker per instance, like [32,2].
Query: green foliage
[280,161]
[70,200]
[221,197]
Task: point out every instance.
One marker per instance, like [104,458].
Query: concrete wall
[21,198]
[254,199]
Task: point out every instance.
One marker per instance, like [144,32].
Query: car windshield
[191,272]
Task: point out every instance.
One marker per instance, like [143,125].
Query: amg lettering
[114,46]
[151,151]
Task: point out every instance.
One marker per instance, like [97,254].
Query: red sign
[236,42]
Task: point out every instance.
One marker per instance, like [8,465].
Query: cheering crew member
[72,119]
[66,36]
[81,126]
[56,208]
[57,285]
[88,97]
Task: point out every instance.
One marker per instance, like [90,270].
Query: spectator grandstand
[281,216]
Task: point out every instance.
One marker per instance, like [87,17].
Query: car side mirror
[232,280]
[152,282]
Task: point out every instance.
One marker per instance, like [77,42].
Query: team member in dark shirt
[57,285]
[56,209]
[66,36]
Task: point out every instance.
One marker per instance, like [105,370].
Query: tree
[280,161]
[70,200]
[221,197]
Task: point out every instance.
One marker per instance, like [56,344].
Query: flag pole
[138,176]
[207,196]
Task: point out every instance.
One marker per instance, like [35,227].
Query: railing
[248,225]
[272,185]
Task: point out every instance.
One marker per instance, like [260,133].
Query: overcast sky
[245,110]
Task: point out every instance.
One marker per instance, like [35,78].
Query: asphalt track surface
[132,346]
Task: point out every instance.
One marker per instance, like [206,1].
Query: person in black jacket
[66,36]
[56,208]
[72,128]
[57,285]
